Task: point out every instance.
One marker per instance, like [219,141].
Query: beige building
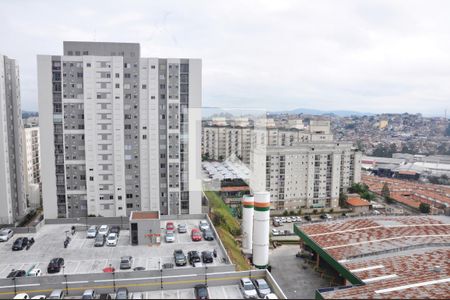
[308,175]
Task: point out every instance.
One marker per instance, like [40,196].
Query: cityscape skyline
[376,57]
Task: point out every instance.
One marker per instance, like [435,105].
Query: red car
[170,226]
[196,235]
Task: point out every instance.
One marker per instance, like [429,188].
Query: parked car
[55,265]
[283,219]
[276,223]
[20,244]
[271,296]
[208,235]
[21,296]
[182,228]
[326,217]
[262,288]
[203,225]
[247,288]
[308,218]
[88,294]
[39,297]
[122,293]
[105,297]
[99,240]
[56,294]
[137,295]
[170,237]
[104,229]
[201,292]
[112,239]
[180,258]
[92,232]
[16,273]
[207,257]
[34,273]
[6,234]
[115,229]
[275,232]
[126,262]
[193,257]
[288,220]
[196,235]
[170,226]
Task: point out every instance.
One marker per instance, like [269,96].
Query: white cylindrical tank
[261,228]
[247,223]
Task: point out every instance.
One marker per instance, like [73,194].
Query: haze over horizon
[382,56]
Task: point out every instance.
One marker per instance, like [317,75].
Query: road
[45,285]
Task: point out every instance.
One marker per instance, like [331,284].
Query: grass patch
[233,250]
[221,214]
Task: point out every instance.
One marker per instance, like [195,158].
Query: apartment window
[117,86]
[88,65]
[144,86]
[117,75]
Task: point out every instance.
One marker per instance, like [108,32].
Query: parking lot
[215,292]
[82,257]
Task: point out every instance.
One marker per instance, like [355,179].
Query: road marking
[19,285]
[76,268]
[75,282]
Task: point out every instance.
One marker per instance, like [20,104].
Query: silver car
[262,287]
[182,228]
[126,262]
[170,237]
[91,232]
[247,288]
[6,234]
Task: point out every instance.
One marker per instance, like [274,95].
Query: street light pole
[206,275]
[160,269]
[114,278]
[15,288]
[65,277]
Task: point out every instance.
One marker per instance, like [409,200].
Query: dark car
[193,257]
[16,273]
[55,265]
[20,244]
[201,291]
[180,258]
[122,293]
[208,235]
[115,229]
[308,218]
[105,297]
[207,257]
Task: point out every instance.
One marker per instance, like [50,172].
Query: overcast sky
[369,56]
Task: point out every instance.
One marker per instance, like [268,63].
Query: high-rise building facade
[12,193]
[121,131]
[308,175]
[32,165]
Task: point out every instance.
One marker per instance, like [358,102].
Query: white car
[247,288]
[91,232]
[275,232]
[89,294]
[271,296]
[39,297]
[283,219]
[112,239]
[104,229]
[203,225]
[35,273]
[21,296]
[170,237]
[288,220]
[6,234]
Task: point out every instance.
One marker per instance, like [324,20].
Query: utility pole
[114,278]
[206,275]
[15,288]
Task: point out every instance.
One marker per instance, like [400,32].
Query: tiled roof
[425,273]
[356,201]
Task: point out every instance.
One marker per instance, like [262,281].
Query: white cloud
[352,55]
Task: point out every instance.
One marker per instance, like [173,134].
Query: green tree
[343,200]
[285,213]
[385,192]
[424,208]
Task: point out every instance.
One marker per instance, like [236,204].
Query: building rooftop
[391,257]
[357,201]
[144,215]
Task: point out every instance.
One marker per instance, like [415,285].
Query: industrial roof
[144,215]
[394,257]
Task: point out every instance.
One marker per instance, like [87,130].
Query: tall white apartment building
[32,166]
[308,175]
[123,132]
[13,204]
[223,138]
